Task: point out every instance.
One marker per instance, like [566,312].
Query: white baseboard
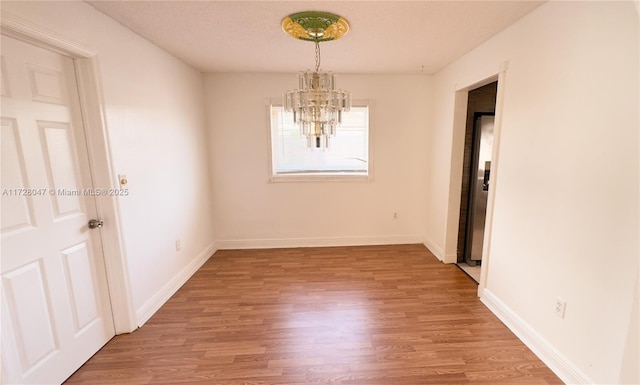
[316,242]
[559,364]
[434,249]
[162,296]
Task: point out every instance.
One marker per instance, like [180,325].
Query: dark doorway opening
[481,107]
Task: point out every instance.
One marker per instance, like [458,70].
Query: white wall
[566,200]
[249,211]
[154,109]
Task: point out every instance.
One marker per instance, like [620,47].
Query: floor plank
[367,315]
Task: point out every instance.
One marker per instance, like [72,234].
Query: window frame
[319,176]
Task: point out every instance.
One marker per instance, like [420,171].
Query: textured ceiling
[385,36]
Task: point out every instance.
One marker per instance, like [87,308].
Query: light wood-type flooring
[388,315]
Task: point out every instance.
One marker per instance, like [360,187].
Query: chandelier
[316,105]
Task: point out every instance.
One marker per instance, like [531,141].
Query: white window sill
[324,177]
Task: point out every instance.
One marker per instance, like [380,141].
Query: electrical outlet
[561,306]
[178,245]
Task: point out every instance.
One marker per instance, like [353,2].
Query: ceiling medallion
[315,26]
[316,105]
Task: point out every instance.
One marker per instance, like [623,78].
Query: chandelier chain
[317,55]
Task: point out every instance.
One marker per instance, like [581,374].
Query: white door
[55,302]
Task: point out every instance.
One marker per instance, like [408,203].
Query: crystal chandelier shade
[316,105]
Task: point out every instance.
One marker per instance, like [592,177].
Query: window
[346,158]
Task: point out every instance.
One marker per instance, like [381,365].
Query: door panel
[31,319]
[17,212]
[77,267]
[47,85]
[61,167]
[55,302]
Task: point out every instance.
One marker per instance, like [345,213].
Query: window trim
[301,177]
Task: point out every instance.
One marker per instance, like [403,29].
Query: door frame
[86,63]
[455,177]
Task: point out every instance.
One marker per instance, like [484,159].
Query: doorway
[476,176]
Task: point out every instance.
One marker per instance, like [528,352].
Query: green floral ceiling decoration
[315,26]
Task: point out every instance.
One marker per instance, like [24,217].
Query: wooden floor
[391,315]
